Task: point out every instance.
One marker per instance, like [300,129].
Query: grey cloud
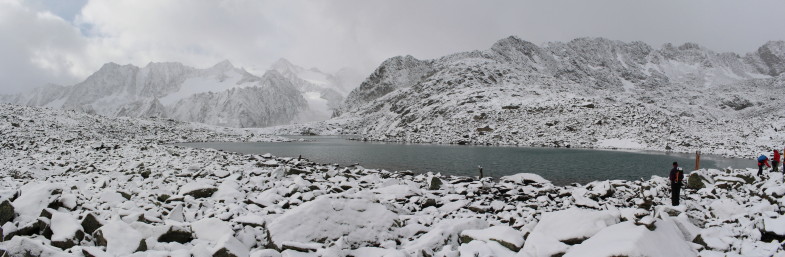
[361,34]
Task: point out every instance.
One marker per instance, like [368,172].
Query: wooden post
[480,167]
[697,160]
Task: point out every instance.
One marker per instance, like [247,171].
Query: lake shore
[561,166]
[81,185]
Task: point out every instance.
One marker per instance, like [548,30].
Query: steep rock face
[144,108]
[394,73]
[272,101]
[580,93]
[770,58]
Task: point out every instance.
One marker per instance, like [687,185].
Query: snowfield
[75,184]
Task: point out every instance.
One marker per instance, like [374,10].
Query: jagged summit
[586,90]
[220,95]
[283,65]
[224,65]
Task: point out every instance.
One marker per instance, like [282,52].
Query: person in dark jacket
[676,177]
[775,161]
[762,160]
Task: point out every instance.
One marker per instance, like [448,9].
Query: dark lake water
[559,165]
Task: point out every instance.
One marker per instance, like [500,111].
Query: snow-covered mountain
[220,95]
[277,102]
[324,92]
[589,92]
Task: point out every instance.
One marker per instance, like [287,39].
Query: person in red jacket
[775,160]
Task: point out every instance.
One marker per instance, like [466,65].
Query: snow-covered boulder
[726,208]
[176,234]
[34,198]
[198,189]
[265,253]
[446,232]
[774,229]
[359,221]
[229,246]
[526,178]
[504,235]
[556,231]
[66,230]
[212,229]
[628,239]
[23,246]
[483,248]
[119,238]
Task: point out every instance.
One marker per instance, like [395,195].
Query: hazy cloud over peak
[64,41]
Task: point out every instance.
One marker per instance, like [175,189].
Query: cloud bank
[46,41]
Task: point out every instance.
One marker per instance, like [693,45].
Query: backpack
[762,158]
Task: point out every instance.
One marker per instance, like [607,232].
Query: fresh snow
[628,239]
[620,143]
[124,174]
[64,226]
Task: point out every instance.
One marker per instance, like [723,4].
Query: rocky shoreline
[80,185]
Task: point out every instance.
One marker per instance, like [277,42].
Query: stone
[202,193]
[32,228]
[296,171]
[436,184]
[175,234]
[90,224]
[429,202]
[695,181]
[6,212]
[67,244]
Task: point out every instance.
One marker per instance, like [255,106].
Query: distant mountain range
[221,95]
[589,92]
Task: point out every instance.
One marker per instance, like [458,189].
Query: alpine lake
[559,165]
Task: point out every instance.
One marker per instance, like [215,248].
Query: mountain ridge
[587,92]
[159,89]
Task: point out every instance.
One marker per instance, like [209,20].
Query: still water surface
[559,165]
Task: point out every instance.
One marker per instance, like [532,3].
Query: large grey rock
[175,234]
[90,223]
[6,212]
[202,193]
[435,184]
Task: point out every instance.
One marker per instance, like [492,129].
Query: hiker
[775,161]
[676,176]
[762,160]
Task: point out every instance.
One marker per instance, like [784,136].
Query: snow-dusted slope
[394,73]
[273,101]
[220,95]
[587,93]
[324,92]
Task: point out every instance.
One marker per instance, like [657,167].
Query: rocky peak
[772,54]
[513,44]
[285,66]
[112,67]
[394,73]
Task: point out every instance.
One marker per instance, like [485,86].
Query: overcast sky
[64,41]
